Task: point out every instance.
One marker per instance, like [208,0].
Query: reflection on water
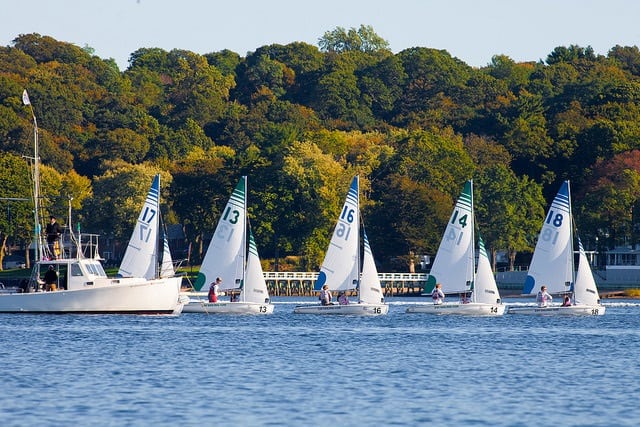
[288,369]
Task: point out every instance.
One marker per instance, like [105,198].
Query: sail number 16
[343,230]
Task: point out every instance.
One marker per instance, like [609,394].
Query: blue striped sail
[552,261]
[141,256]
[340,267]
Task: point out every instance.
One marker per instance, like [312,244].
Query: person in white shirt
[325,295]
[437,295]
[214,290]
[543,298]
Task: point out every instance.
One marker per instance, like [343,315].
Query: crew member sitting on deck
[325,295]
[543,298]
[437,295]
[342,298]
[214,289]
[567,301]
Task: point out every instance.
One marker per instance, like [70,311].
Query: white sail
[485,289]
[370,290]
[166,267]
[226,253]
[552,262]
[453,266]
[340,267]
[141,257]
[552,265]
[225,258]
[254,288]
[585,289]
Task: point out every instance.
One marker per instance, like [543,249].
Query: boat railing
[80,245]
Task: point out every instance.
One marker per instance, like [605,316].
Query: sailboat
[454,267]
[340,269]
[225,258]
[82,284]
[552,265]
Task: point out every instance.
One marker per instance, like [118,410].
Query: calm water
[297,370]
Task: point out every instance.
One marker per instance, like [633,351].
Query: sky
[470,30]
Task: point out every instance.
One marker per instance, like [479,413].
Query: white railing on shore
[307,275]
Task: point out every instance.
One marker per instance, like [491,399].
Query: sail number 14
[462,221]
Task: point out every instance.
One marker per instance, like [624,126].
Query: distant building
[13,261]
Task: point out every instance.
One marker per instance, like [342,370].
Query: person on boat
[233,297]
[543,298]
[53,231]
[50,279]
[342,298]
[437,295]
[325,295]
[214,289]
[567,301]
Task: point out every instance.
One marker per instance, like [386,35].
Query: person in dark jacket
[50,279]
[53,231]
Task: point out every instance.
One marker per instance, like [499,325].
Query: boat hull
[555,310]
[470,309]
[124,295]
[225,307]
[356,309]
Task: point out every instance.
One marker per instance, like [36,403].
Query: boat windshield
[95,268]
[76,271]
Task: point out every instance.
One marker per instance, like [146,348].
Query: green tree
[363,39]
[16,216]
[320,185]
[118,196]
[614,184]
[200,189]
[509,210]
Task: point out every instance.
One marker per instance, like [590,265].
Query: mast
[473,248]
[244,239]
[36,180]
[572,262]
[358,237]
[159,252]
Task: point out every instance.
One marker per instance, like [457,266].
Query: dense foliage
[301,120]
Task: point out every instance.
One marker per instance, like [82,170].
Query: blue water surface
[297,370]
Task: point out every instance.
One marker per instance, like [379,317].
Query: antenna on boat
[36,179]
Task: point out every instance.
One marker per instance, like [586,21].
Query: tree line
[301,120]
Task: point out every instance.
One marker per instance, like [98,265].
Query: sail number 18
[548,234]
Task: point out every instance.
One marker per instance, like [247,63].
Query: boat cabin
[72,273]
